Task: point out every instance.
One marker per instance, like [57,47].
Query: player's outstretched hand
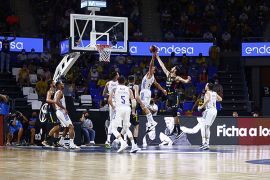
[164,92]
[189,78]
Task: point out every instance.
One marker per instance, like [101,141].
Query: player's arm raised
[160,88]
[206,100]
[105,92]
[165,70]
[179,79]
[150,71]
[110,99]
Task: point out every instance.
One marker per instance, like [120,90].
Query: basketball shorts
[121,117]
[172,104]
[209,116]
[134,120]
[15,129]
[145,95]
[63,118]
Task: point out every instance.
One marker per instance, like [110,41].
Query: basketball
[153,49]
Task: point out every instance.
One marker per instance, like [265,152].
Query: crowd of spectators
[228,21]
[53,17]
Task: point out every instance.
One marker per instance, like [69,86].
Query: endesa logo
[25,43]
[256,49]
[165,49]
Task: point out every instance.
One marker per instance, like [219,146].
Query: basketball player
[50,114]
[209,115]
[62,115]
[172,98]
[145,93]
[134,115]
[112,84]
[122,96]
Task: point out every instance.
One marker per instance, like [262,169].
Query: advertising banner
[254,49]
[21,43]
[253,131]
[165,48]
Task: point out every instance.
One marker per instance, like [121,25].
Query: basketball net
[104,52]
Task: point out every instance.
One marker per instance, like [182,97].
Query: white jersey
[122,96]
[112,85]
[62,101]
[213,100]
[147,83]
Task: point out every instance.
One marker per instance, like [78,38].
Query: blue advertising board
[165,48]
[25,43]
[254,49]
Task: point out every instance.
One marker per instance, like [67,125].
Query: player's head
[59,85]
[131,79]
[175,71]
[121,80]
[209,87]
[115,75]
[51,84]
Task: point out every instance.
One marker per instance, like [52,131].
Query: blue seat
[200,87]
[187,106]
[218,106]
[212,71]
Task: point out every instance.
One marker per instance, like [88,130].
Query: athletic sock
[135,139]
[177,126]
[71,141]
[109,138]
[149,118]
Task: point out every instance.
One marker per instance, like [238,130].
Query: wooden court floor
[221,162]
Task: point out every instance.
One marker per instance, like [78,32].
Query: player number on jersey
[123,100]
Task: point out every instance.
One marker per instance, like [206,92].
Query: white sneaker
[144,145]
[135,149]
[92,142]
[123,146]
[151,126]
[163,143]
[73,146]
[61,143]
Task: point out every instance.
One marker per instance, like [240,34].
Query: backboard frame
[94,18]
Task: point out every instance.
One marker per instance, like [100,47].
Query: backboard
[86,31]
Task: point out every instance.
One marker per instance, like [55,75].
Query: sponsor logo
[142,48]
[25,43]
[242,132]
[256,49]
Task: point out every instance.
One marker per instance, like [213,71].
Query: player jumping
[172,98]
[145,93]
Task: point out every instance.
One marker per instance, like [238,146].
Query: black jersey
[171,85]
[131,86]
[50,106]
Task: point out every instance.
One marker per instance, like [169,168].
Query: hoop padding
[104,52]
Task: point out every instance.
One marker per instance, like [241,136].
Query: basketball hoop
[104,52]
